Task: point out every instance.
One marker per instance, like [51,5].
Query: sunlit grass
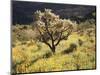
[32,56]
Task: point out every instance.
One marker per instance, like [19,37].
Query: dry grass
[32,56]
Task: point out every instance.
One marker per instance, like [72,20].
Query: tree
[51,28]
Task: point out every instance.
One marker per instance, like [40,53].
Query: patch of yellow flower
[32,51]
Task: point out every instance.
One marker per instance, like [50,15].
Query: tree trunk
[53,49]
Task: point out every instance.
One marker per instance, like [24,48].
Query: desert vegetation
[51,43]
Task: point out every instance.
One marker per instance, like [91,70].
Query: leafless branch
[59,39]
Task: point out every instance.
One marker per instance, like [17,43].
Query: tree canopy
[52,28]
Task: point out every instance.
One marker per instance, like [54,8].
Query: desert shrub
[86,27]
[72,48]
[47,54]
[80,42]
[23,33]
[91,40]
[25,27]
[82,63]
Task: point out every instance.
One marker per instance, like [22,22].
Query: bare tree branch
[52,28]
[59,39]
[43,38]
